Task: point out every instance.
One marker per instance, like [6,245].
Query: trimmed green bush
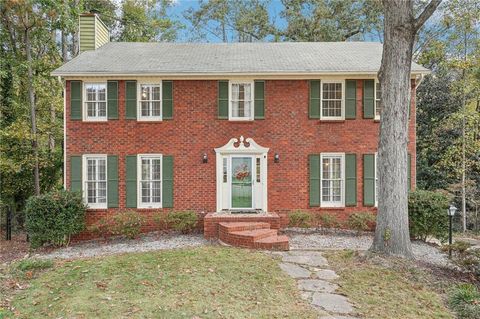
[54,217]
[300,219]
[182,221]
[427,213]
[465,256]
[465,301]
[362,221]
[326,220]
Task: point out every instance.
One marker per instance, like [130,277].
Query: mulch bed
[16,248]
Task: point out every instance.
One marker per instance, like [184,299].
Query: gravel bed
[316,241]
[149,242]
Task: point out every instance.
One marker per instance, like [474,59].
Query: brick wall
[195,130]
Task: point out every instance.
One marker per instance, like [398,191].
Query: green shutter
[314,172]
[223,100]
[259,100]
[76,173]
[131,181]
[368,179]
[314,105]
[167,100]
[131,100]
[369,99]
[112,176]
[409,172]
[112,100]
[75,100]
[350,99]
[351,180]
[167,181]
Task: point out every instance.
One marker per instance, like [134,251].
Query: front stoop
[256,235]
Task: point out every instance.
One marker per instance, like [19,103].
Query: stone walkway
[317,283]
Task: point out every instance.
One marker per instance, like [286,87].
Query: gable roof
[200,59]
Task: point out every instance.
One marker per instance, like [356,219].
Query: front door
[241,182]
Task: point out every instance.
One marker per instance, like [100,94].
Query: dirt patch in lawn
[204,282]
[13,249]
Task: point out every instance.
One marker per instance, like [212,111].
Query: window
[332,173]
[150,102]
[378,100]
[150,181]
[95,177]
[332,100]
[95,102]
[225,170]
[241,101]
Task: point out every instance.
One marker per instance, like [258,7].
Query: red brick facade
[195,130]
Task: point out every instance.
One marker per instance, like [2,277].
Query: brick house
[257,128]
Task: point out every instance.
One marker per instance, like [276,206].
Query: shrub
[362,221]
[126,223]
[326,220]
[300,219]
[54,217]
[465,257]
[427,212]
[465,301]
[160,219]
[182,221]
[33,264]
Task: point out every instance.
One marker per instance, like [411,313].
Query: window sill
[333,207]
[332,121]
[149,207]
[97,208]
[95,121]
[241,121]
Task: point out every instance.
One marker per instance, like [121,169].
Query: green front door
[241,186]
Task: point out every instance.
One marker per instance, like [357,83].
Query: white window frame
[332,118]
[252,99]
[377,117]
[84,103]
[341,203]
[139,180]
[85,158]
[140,117]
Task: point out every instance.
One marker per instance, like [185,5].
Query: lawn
[206,282]
[388,287]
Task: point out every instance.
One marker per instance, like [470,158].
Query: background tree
[400,29]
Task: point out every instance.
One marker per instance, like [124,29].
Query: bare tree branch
[427,12]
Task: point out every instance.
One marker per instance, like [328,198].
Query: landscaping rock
[332,303]
[309,258]
[316,285]
[295,271]
[326,274]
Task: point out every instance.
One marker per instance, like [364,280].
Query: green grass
[33,264]
[387,288]
[208,282]
[465,300]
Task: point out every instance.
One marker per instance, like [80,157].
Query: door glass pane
[241,182]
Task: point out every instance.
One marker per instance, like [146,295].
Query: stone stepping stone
[316,285]
[295,271]
[326,274]
[332,303]
[306,258]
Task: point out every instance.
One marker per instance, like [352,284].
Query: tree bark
[392,235]
[33,113]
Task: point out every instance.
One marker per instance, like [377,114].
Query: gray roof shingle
[129,58]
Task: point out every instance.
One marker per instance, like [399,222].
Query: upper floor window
[378,100]
[241,101]
[332,175]
[95,177]
[332,103]
[150,102]
[95,101]
[150,181]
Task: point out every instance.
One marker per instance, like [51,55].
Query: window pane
[91,170]
[156,93]
[101,93]
[326,168]
[235,111]
[145,169]
[156,169]
[235,92]
[102,192]
[225,170]
[258,170]
[102,109]
[91,192]
[145,191]
[155,108]
[144,108]
[102,176]
[145,93]
[156,196]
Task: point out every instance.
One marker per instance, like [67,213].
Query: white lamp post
[451,212]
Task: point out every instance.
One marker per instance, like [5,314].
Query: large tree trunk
[33,113]
[392,235]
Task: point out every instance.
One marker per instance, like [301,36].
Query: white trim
[323,203]
[139,178]
[141,118]
[84,103]
[252,100]
[84,181]
[332,118]
[376,117]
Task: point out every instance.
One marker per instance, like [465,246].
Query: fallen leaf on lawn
[29,274]
[146,283]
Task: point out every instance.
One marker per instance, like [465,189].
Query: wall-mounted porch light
[276,158]
[205,158]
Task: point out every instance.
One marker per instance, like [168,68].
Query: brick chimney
[93,32]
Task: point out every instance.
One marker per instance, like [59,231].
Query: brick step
[241,226]
[276,242]
[245,238]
